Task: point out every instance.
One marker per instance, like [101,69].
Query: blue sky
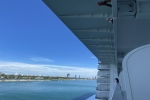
[32,35]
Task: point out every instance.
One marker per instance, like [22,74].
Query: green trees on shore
[33,77]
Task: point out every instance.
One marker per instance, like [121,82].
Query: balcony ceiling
[109,42]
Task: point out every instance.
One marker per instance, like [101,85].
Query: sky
[34,41]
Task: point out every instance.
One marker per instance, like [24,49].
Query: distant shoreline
[22,80]
[34,80]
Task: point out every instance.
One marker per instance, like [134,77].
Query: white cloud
[45,69]
[93,57]
[41,60]
[72,64]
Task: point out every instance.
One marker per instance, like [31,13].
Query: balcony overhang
[109,42]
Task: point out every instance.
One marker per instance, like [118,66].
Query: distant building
[79,76]
[68,75]
[39,78]
[75,76]
[91,77]
[95,77]
[16,73]
[1,73]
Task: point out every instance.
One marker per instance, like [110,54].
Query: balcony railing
[103,67]
[103,74]
[102,95]
[103,80]
[103,87]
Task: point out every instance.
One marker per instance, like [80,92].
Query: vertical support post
[114,15]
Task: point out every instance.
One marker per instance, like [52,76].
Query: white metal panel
[136,71]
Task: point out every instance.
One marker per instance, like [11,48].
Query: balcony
[103,74]
[102,95]
[103,67]
[103,87]
[103,80]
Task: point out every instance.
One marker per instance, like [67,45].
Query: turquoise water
[46,90]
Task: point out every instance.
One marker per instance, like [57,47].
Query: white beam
[110,30]
[104,50]
[106,53]
[98,39]
[101,45]
[114,11]
[89,15]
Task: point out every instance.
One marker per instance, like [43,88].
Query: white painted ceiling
[88,22]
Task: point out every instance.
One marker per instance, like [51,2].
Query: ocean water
[47,90]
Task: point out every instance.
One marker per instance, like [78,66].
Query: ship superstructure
[115,36]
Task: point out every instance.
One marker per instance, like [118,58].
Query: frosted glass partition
[136,72]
